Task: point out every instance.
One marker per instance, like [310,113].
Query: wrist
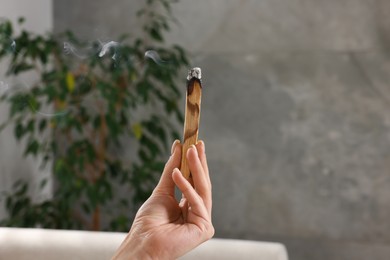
[132,249]
[136,254]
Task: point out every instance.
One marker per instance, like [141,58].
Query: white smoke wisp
[69,49]
[4,87]
[13,45]
[107,47]
[22,87]
[153,55]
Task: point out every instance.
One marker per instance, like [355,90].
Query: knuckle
[210,230]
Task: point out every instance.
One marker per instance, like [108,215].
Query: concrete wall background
[13,166]
[294,114]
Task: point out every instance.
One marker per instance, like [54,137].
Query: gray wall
[294,114]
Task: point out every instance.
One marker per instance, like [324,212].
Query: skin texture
[165,228]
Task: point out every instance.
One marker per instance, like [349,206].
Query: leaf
[70,82]
[30,126]
[151,146]
[19,131]
[154,127]
[17,68]
[156,35]
[43,183]
[3,125]
[6,29]
[18,104]
[143,89]
[59,166]
[133,76]
[32,147]
[21,188]
[21,20]
[42,125]
[33,103]
[137,130]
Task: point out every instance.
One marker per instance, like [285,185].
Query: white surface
[232,249]
[26,244]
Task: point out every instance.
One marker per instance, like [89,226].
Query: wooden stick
[192,116]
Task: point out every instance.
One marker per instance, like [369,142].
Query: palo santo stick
[192,116]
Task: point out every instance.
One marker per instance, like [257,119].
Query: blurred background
[295,113]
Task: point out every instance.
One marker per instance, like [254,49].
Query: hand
[164,228]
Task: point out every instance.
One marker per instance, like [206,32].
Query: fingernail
[202,144]
[175,143]
[194,147]
[175,170]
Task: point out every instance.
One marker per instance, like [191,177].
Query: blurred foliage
[94,103]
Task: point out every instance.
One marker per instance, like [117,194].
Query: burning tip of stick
[194,73]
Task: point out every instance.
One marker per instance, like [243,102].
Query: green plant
[110,98]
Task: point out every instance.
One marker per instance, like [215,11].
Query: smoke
[4,87]
[13,46]
[107,47]
[110,47]
[19,88]
[69,49]
[153,55]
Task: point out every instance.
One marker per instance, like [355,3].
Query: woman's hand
[164,228]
